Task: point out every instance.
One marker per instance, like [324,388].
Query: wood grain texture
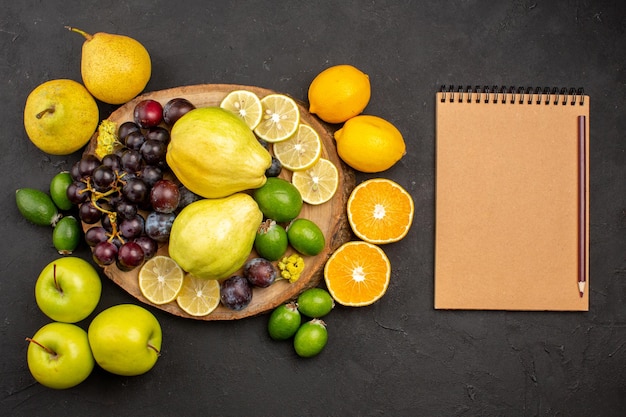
[330,216]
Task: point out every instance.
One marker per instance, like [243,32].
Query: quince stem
[82,32]
[44,111]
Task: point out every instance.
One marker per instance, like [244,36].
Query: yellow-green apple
[68,289]
[59,355]
[125,339]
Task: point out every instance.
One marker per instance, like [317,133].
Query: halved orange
[380,211]
[357,274]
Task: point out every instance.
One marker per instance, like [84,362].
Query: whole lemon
[115,68]
[369,143]
[339,93]
[60,116]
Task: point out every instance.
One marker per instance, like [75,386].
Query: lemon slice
[301,150]
[246,105]
[160,279]
[280,118]
[317,184]
[199,297]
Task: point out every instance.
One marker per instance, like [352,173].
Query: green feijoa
[271,240]
[278,199]
[284,321]
[306,237]
[315,303]
[311,338]
[37,207]
[58,190]
[66,235]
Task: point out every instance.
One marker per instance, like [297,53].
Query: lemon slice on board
[300,151]
[198,297]
[280,118]
[160,279]
[244,104]
[317,184]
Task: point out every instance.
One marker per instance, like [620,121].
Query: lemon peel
[291,267]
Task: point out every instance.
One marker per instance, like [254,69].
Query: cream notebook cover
[512,199]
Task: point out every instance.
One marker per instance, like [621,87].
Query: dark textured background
[398,357]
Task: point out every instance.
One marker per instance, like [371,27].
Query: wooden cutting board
[330,216]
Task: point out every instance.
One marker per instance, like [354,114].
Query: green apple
[68,289]
[59,355]
[125,339]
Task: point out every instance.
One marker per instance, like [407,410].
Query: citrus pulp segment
[318,184]
[198,297]
[280,118]
[160,279]
[357,274]
[380,211]
[301,150]
[244,104]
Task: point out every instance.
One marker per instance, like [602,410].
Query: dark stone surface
[398,357]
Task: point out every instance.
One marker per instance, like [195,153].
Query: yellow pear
[115,68]
[60,116]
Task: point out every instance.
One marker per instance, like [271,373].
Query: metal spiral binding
[512,95]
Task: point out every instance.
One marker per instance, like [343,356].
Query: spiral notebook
[512,199]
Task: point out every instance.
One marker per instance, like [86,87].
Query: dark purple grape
[186,197]
[105,221]
[135,190]
[131,228]
[131,160]
[148,113]
[112,161]
[159,225]
[134,140]
[164,196]
[274,169]
[175,109]
[150,174]
[236,292]
[103,178]
[77,192]
[148,245]
[264,143]
[153,152]
[126,128]
[95,235]
[86,165]
[125,209]
[158,133]
[105,253]
[129,256]
[260,272]
[89,213]
[75,171]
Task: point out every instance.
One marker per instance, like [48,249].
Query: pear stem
[82,32]
[47,349]
[44,111]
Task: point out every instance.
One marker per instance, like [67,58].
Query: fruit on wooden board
[215,154]
[115,68]
[212,238]
[60,116]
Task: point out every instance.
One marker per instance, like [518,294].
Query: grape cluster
[127,196]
